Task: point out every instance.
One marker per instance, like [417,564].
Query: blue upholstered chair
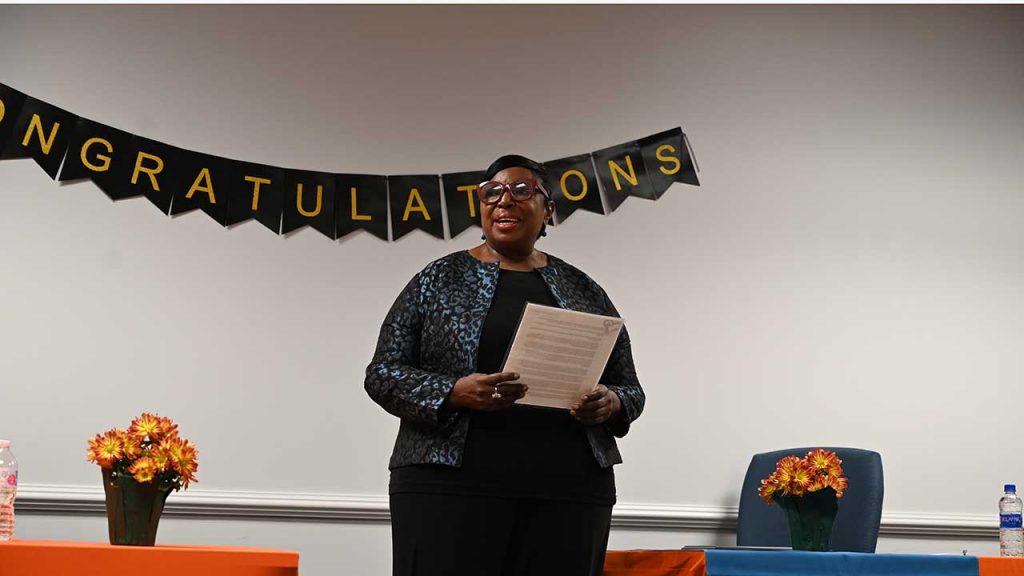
[860,508]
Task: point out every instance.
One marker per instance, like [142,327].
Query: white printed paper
[560,354]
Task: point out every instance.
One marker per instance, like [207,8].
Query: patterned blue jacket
[429,340]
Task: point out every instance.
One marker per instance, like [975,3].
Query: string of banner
[69,147]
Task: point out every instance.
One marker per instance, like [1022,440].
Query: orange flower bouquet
[141,466]
[808,489]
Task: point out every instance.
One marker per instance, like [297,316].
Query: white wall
[850,273]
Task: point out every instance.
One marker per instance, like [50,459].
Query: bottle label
[8,479]
[1010,521]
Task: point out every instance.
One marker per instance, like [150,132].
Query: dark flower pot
[133,509]
[811,517]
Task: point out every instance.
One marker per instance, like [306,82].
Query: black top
[524,451]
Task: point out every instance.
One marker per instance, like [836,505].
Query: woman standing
[482,486]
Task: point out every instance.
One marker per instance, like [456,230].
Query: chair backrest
[860,508]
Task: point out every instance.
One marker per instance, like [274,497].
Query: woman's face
[510,223]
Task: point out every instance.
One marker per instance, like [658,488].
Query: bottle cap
[1006,488]
[5,444]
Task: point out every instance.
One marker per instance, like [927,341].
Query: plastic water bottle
[1011,534]
[9,488]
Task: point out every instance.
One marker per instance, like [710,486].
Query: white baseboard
[71,500]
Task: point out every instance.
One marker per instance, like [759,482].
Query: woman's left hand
[597,407]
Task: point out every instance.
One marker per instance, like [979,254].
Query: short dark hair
[514,161]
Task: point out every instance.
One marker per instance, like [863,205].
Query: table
[654,563]
[794,563]
[36,557]
[1001,566]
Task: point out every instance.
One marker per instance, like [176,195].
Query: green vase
[133,509]
[811,517]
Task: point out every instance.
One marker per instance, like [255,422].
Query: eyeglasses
[520,190]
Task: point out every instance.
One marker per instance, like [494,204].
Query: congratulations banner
[68,147]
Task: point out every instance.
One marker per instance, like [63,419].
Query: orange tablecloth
[1000,566]
[654,563]
[39,558]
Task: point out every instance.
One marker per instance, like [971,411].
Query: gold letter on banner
[151,172]
[207,186]
[256,189]
[583,180]
[319,200]
[414,194]
[106,159]
[355,211]
[2,110]
[470,198]
[44,143]
[673,159]
[616,170]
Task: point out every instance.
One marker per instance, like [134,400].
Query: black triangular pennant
[100,153]
[42,132]
[667,159]
[308,200]
[415,205]
[572,184]
[362,201]
[461,200]
[255,191]
[153,172]
[622,173]
[202,184]
[10,107]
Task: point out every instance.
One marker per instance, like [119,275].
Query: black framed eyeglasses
[520,190]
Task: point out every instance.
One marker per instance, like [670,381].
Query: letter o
[583,179]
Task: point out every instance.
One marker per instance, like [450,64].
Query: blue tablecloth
[792,563]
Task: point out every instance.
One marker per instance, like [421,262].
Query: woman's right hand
[487,392]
